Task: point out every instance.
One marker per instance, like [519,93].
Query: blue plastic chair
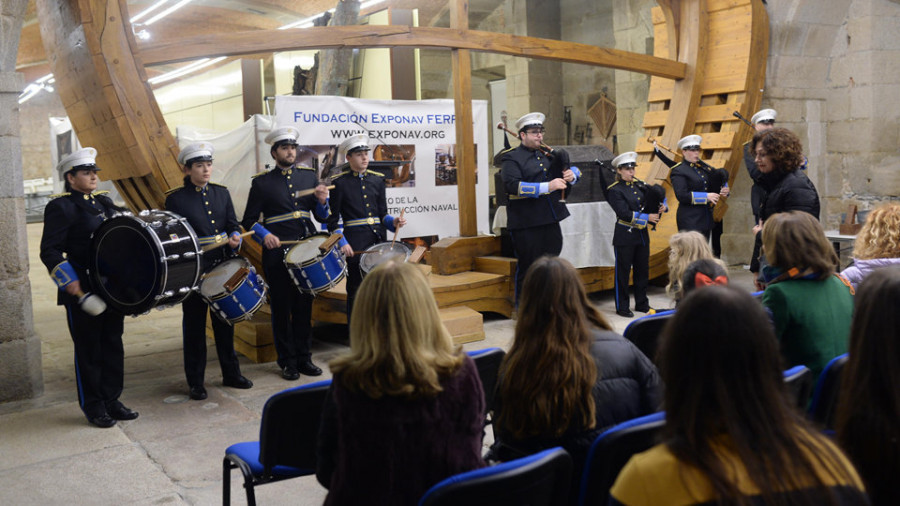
[488,361]
[825,396]
[287,441]
[645,331]
[610,452]
[799,380]
[541,479]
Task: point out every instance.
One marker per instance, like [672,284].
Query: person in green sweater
[811,305]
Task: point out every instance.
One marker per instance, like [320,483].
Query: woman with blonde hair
[877,244]
[567,376]
[406,408]
[684,249]
[811,304]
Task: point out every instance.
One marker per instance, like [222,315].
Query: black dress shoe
[310,369]
[239,382]
[625,312]
[103,421]
[198,393]
[120,412]
[290,373]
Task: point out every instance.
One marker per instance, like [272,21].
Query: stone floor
[173,453]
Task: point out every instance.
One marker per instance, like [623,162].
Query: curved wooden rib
[104,89]
[336,37]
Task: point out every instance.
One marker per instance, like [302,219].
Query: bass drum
[144,261]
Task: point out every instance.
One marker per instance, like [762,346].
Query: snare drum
[312,270]
[144,261]
[380,253]
[233,289]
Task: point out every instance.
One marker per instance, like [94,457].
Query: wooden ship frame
[709,60]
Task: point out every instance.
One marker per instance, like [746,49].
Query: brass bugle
[547,150]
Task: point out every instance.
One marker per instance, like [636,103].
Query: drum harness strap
[287,216]
[361,221]
[212,239]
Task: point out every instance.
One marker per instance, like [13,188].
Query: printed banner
[413,144]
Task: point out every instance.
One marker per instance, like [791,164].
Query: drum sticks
[303,193]
[213,246]
[397,229]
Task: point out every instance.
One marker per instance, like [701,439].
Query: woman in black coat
[779,156]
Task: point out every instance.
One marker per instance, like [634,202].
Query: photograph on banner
[403,137]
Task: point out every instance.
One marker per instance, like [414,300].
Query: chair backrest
[825,395]
[645,331]
[540,479]
[610,452]
[290,426]
[487,361]
[799,380]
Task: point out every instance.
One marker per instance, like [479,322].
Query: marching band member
[69,220]
[286,217]
[208,208]
[628,197]
[534,183]
[359,200]
[698,187]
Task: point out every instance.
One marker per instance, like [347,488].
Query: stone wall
[35,133]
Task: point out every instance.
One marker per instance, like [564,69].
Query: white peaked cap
[625,158]
[193,151]
[283,134]
[530,119]
[763,115]
[690,141]
[84,156]
[359,141]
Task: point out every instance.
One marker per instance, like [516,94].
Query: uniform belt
[362,221]
[629,224]
[212,239]
[287,216]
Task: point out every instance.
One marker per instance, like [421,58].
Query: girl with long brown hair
[732,435]
[868,416]
[567,376]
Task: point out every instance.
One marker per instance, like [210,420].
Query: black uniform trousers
[291,311]
[532,243]
[99,358]
[635,257]
[193,326]
[354,279]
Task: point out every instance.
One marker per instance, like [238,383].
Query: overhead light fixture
[187,69]
[43,83]
[147,11]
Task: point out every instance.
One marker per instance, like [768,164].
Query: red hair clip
[701,279]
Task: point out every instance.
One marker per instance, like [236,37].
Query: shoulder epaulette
[56,196]
[259,174]
[379,174]
[610,186]
[342,174]
[219,185]
[506,150]
[101,192]
[304,167]
[748,142]
[173,190]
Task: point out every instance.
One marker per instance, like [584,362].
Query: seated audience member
[877,244]
[704,272]
[684,248]
[406,408]
[868,416]
[732,436]
[811,305]
[567,376]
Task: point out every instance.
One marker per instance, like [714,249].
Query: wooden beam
[253,42]
[466,165]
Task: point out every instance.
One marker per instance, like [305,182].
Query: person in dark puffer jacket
[779,157]
[567,376]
